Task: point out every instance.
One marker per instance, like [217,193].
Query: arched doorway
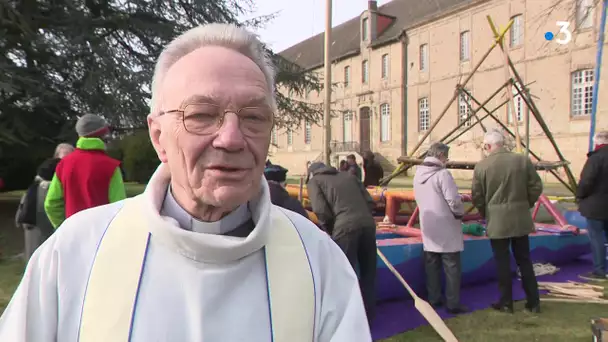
[364,129]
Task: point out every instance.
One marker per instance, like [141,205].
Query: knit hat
[275,173]
[90,125]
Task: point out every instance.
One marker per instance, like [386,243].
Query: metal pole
[327,112]
[596,74]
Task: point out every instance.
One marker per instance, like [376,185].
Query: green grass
[11,271]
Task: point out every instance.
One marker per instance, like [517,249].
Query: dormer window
[364,29]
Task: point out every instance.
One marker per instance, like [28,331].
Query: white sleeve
[343,317]
[31,315]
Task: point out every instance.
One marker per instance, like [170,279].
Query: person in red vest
[87,177]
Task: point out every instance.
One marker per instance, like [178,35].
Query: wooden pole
[456,93]
[568,186]
[327,109]
[543,125]
[301,191]
[511,107]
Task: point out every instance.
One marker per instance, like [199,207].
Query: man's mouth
[226,168]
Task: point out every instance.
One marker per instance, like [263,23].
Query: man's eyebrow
[252,101]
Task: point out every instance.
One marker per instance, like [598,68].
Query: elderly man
[505,187]
[87,177]
[592,198]
[344,209]
[202,254]
[441,211]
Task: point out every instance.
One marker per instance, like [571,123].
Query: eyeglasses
[207,119]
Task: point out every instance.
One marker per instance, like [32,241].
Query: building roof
[309,53]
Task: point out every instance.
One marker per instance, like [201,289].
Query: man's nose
[229,136]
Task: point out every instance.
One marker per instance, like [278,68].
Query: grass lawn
[559,322]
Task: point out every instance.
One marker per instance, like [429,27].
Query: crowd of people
[210,251]
[73,180]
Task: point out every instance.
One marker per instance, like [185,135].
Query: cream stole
[111,295]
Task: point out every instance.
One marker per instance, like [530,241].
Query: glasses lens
[201,118]
[255,121]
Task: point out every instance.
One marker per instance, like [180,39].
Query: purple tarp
[396,317]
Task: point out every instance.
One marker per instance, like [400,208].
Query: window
[385,122]
[582,92]
[424,56]
[307,135]
[365,72]
[516,32]
[289,137]
[584,14]
[385,66]
[274,137]
[347,125]
[465,53]
[364,31]
[346,76]
[464,109]
[520,106]
[424,115]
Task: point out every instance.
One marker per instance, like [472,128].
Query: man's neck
[198,210]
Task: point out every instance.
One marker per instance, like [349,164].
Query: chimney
[372,5]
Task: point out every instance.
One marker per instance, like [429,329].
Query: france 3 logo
[563,36]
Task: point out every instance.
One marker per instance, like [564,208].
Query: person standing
[344,210]
[441,210]
[31,215]
[353,168]
[372,169]
[592,199]
[505,187]
[86,178]
[276,175]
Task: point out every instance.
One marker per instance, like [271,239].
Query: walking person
[344,210]
[441,211]
[592,199]
[505,187]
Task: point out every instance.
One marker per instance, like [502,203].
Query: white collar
[204,247]
[228,223]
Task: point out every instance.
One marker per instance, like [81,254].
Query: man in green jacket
[505,187]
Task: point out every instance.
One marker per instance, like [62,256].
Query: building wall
[545,67]
[357,95]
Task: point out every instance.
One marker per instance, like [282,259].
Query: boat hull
[478,265]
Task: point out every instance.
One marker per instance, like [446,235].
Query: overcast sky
[298,20]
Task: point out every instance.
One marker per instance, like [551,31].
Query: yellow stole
[111,294]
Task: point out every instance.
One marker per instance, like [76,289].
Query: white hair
[494,138]
[224,35]
[601,138]
[59,150]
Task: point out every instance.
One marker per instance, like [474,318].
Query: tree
[62,58]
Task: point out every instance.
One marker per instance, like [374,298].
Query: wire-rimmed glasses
[207,118]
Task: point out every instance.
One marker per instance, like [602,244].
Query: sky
[297,20]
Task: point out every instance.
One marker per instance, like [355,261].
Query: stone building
[396,66]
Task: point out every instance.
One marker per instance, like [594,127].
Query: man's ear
[155,129]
